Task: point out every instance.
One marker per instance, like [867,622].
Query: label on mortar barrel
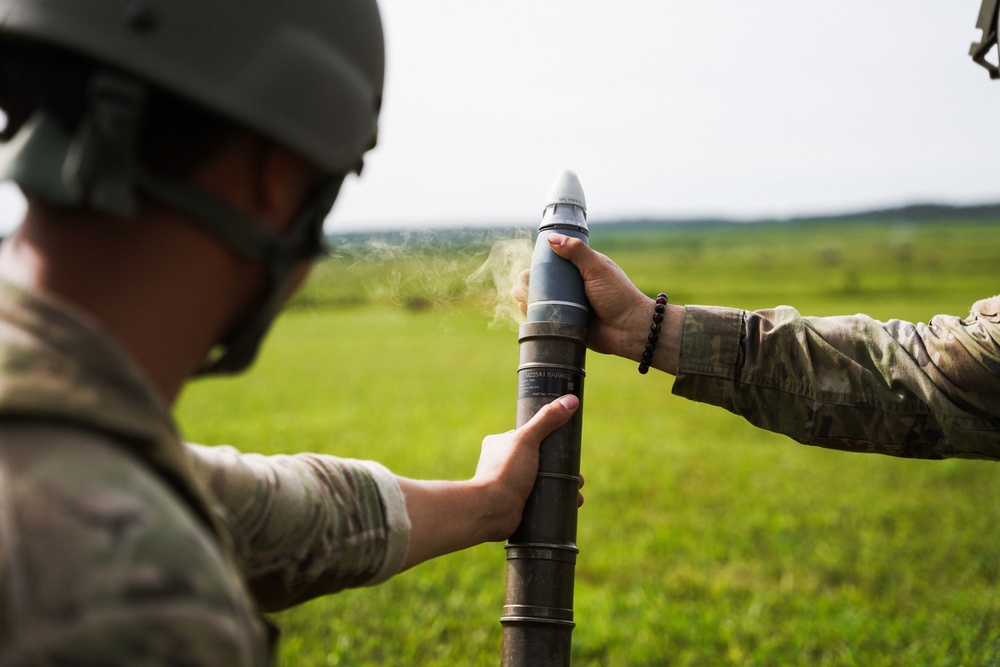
[552,382]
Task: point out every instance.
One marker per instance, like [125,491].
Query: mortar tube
[541,554]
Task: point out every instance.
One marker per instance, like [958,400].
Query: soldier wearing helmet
[852,383]
[179,160]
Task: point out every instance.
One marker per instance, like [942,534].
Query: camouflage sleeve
[102,562]
[853,383]
[307,524]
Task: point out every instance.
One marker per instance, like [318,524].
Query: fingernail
[556,239]
[569,402]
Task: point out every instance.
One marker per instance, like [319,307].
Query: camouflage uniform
[119,545]
[853,383]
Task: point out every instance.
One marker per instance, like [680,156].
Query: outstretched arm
[914,390]
[307,524]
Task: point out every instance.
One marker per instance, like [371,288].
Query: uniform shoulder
[100,557]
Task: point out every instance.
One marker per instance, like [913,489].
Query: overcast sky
[677,108]
[674,108]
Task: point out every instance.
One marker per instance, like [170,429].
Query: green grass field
[704,541]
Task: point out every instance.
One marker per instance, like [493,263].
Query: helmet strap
[101,162]
[303,240]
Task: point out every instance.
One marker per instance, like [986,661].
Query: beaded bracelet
[654,333]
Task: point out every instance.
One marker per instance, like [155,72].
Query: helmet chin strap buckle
[97,166]
[101,163]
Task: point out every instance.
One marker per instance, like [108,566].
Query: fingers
[549,418]
[575,250]
[519,292]
[508,464]
[597,269]
[520,289]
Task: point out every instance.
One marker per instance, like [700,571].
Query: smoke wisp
[508,258]
[424,269]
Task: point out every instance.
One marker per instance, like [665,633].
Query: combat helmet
[307,74]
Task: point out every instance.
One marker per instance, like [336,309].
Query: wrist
[493,514]
[445,517]
[636,329]
[669,348]
[653,337]
[666,347]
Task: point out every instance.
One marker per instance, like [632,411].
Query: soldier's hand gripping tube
[541,554]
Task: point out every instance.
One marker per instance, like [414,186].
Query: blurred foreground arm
[309,524]
[853,383]
[306,525]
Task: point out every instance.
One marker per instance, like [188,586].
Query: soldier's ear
[282,182]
